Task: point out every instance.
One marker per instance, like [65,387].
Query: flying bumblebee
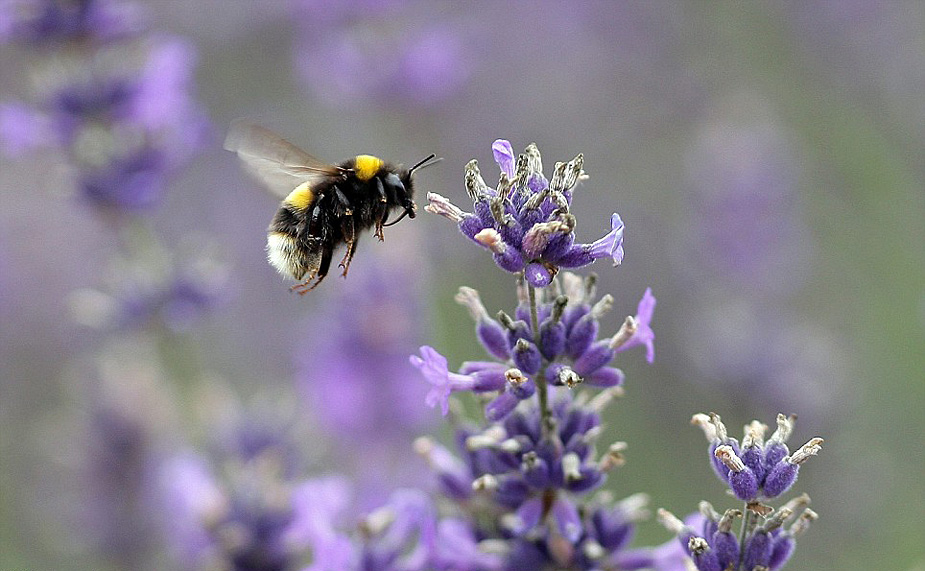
[323,205]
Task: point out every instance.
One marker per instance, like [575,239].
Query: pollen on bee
[366,166]
[301,197]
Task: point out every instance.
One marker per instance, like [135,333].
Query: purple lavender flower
[756,468]
[240,507]
[337,369]
[369,326]
[538,479]
[121,112]
[564,350]
[154,290]
[353,51]
[642,333]
[525,222]
[710,542]
[40,23]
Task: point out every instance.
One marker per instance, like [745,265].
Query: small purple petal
[471,225]
[582,334]
[433,366]
[524,390]
[488,380]
[726,545]
[644,334]
[781,551]
[493,337]
[610,245]
[567,519]
[528,516]
[552,339]
[744,484]
[510,260]
[527,357]
[504,156]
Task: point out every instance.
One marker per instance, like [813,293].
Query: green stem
[541,390]
[746,519]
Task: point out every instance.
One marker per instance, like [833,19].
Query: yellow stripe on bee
[366,166]
[301,197]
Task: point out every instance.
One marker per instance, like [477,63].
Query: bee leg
[348,231]
[344,202]
[326,255]
[303,288]
[382,212]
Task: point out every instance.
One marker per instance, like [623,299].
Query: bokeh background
[767,159]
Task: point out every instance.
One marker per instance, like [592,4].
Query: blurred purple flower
[126,430]
[41,23]
[154,290]
[379,52]
[355,378]
[123,113]
[746,221]
[242,505]
[370,327]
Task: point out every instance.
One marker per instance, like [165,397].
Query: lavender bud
[780,479]
[741,479]
[582,334]
[598,355]
[535,470]
[606,377]
[552,330]
[704,557]
[726,546]
[470,225]
[781,550]
[758,550]
[501,406]
[527,357]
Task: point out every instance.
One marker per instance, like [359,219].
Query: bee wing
[274,161]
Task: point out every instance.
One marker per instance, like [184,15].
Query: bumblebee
[323,205]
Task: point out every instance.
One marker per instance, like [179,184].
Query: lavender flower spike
[525,222]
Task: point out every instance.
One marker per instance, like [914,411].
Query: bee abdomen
[285,254]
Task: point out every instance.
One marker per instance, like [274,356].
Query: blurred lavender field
[161,389]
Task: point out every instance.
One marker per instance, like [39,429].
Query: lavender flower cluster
[755,471]
[525,222]
[113,97]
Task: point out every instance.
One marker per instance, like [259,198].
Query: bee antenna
[425,163]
